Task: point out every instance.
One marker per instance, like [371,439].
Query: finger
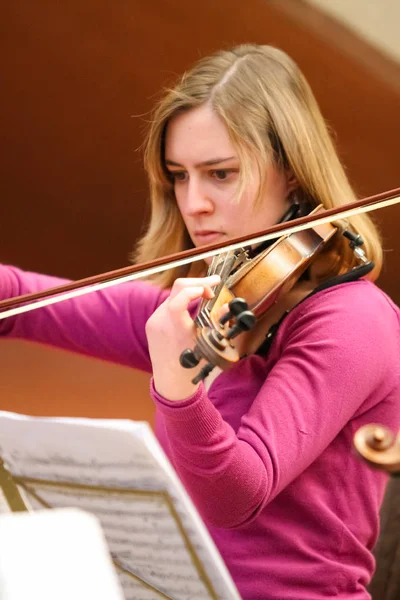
[179,304]
[223,310]
[208,292]
[184,283]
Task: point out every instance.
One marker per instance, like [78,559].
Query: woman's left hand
[170,330]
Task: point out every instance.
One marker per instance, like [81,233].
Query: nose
[197,199]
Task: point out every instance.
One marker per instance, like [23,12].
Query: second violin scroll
[377,445]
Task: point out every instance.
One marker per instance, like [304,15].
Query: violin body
[262,280]
[276,270]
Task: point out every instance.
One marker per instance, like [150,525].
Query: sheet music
[4,508]
[160,547]
[39,550]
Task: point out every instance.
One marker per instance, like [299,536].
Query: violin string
[149,271]
[224,272]
[203,317]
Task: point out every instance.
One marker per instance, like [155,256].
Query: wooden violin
[252,282]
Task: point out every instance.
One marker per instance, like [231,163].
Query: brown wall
[37,380]
[79,78]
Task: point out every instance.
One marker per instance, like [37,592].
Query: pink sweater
[267,453]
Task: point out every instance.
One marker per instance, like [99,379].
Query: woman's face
[204,167]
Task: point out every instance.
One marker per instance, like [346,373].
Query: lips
[207,236]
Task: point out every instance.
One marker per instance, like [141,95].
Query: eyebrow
[206,163]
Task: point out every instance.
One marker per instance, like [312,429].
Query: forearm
[213,463]
[107,324]
[269,420]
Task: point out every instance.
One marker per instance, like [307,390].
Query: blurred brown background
[78,79]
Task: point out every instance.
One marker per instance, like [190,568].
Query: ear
[291,180]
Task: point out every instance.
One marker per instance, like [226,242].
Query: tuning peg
[205,371]
[188,359]
[236,306]
[355,239]
[244,322]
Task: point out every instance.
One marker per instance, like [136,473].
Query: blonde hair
[270,113]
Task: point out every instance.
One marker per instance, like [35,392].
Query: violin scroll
[377,445]
[214,340]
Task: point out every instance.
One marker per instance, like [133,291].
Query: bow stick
[18,304]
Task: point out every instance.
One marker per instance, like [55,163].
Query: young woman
[265,449]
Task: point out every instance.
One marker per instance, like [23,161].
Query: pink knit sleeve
[335,358]
[109,324]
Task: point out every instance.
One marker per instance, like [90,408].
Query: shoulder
[357,303]
[353,323]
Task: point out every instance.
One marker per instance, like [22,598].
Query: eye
[175,176]
[222,174]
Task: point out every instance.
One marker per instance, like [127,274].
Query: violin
[261,276]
